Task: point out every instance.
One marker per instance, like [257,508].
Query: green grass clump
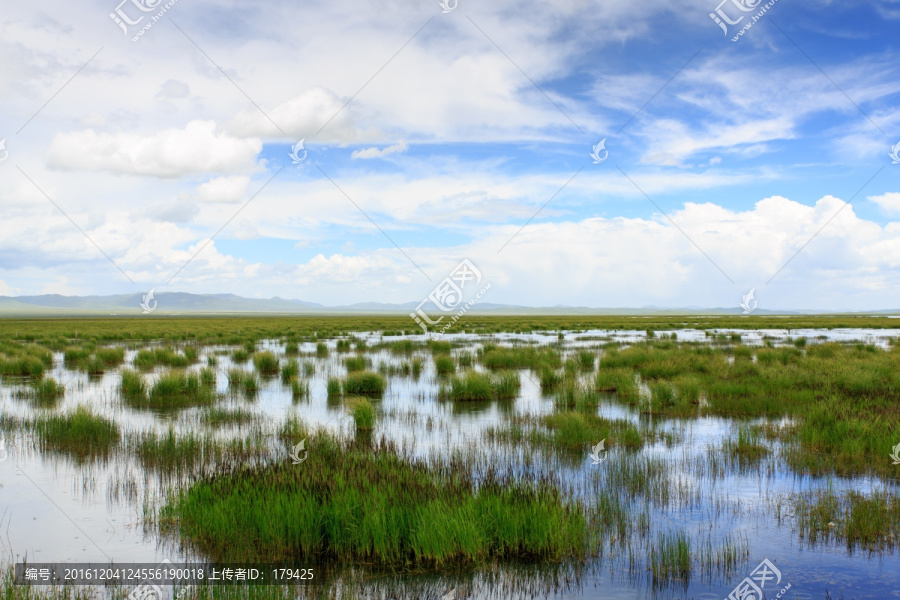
[48,390]
[309,368]
[240,356]
[80,433]
[73,357]
[292,349]
[145,360]
[22,366]
[350,504]
[363,412]
[586,359]
[321,349]
[333,387]
[670,558]
[290,371]
[471,387]
[363,383]
[550,379]
[620,381]
[746,448]
[440,347]
[356,363]
[173,452]
[218,416]
[111,357]
[173,390]
[208,377]
[299,389]
[444,364]
[858,521]
[495,357]
[506,385]
[266,363]
[133,387]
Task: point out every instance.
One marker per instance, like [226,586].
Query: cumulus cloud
[196,149]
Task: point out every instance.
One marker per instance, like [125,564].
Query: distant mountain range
[230,304]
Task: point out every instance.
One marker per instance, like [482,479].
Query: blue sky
[431,137]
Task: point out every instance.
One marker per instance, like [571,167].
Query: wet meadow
[658,457]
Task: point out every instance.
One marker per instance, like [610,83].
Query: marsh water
[54,508]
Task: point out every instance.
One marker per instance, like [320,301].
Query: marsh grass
[132,386]
[363,412]
[618,380]
[356,363]
[240,356]
[444,364]
[746,449]
[670,558]
[148,359]
[290,371]
[80,433]
[22,366]
[333,387]
[173,390]
[111,357]
[321,350]
[574,432]
[573,394]
[351,504]
[550,379]
[518,357]
[171,452]
[219,416]
[47,391]
[266,363]
[363,383]
[869,522]
[471,387]
[299,390]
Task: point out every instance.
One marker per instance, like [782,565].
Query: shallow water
[55,510]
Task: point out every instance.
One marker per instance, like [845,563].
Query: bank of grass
[868,522]
[80,433]
[370,505]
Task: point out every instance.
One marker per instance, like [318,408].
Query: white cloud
[379,153]
[224,189]
[198,148]
[890,202]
